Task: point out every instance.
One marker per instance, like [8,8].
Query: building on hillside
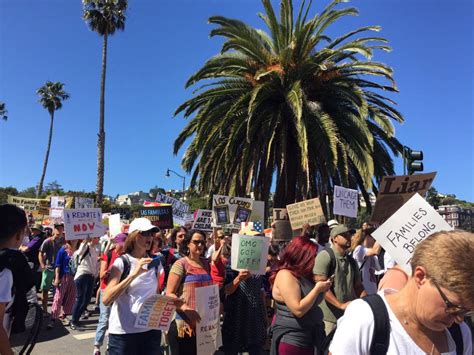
[123,200]
[457,216]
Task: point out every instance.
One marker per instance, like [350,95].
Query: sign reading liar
[161,216]
[156,312]
[83,223]
[203,220]
[345,201]
[309,211]
[407,227]
[208,333]
[249,253]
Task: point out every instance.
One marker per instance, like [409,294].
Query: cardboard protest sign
[83,202]
[203,220]
[156,312]
[208,332]
[115,226]
[345,201]
[309,211]
[407,227]
[281,225]
[83,223]
[249,253]
[230,211]
[161,216]
[180,209]
[30,204]
[394,191]
[57,206]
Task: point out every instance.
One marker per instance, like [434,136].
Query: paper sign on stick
[249,253]
[115,226]
[83,223]
[203,220]
[309,211]
[230,211]
[407,227]
[394,191]
[345,201]
[57,206]
[208,332]
[156,312]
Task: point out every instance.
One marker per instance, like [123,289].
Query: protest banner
[57,206]
[406,228]
[115,226]
[180,209]
[157,312]
[309,211]
[394,191]
[249,253]
[81,223]
[208,332]
[228,211]
[83,202]
[160,216]
[203,220]
[345,201]
[30,204]
[282,231]
[124,213]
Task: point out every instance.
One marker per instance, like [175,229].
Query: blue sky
[164,42]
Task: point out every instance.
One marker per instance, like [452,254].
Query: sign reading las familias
[160,216]
[394,191]
[309,211]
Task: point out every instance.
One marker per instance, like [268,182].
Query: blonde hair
[448,258]
[357,239]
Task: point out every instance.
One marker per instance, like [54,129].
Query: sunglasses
[149,233]
[452,308]
[198,242]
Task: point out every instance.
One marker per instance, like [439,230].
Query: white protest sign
[156,312]
[345,201]
[203,220]
[83,223]
[115,226]
[407,227]
[309,211]
[249,253]
[83,202]
[230,211]
[208,333]
[180,209]
[57,206]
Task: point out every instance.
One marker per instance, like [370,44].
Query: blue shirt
[62,261]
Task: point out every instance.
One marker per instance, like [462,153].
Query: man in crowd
[31,251]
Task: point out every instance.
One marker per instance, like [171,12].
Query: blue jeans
[84,286]
[146,343]
[103,322]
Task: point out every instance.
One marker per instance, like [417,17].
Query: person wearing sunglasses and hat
[335,262]
[437,295]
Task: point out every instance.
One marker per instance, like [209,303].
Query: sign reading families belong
[30,204]
[180,209]
[208,333]
[394,191]
[309,211]
[203,220]
[345,201]
[160,216]
[231,211]
[249,253]
[407,227]
[83,223]
[156,312]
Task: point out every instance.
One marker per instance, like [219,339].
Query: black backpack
[381,335]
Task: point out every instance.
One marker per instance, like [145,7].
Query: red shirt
[218,271]
[115,255]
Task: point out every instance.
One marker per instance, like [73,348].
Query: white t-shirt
[90,263]
[125,308]
[6,282]
[368,271]
[355,330]
[210,251]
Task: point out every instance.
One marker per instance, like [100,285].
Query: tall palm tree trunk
[101,135]
[39,190]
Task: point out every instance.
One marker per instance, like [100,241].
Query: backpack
[332,262]
[381,335]
[76,260]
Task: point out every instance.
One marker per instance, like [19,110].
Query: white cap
[142,225]
[332,223]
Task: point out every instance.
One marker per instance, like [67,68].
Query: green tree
[54,188]
[432,197]
[51,96]
[291,106]
[3,111]
[103,17]
[5,191]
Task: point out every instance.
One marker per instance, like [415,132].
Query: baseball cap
[340,229]
[120,238]
[142,225]
[38,227]
[332,223]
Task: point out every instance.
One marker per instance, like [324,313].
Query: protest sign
[156,312]
[230,211]
[249,253]
[394,191]
[281,225]
[83,223]
[407,227]
[83,202]
[115,226]
[309,211]
[203,220]
[180,209]
[160,216]
[125,213]
[345,201]
[57,206]
[208,333]
[30,204]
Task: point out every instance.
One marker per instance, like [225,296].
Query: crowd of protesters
[310,301]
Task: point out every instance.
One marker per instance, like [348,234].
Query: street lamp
[168,171]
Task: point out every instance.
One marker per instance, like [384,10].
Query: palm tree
[3,111]
[103,17]
[291,106]
[51,97]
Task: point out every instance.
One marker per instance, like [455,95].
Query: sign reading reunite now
[156,312]
[83,223]
[249,253]
[407,227]
[345,201]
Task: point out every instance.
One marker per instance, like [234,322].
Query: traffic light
[413,160]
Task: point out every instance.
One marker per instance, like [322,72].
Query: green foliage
[104,16]
[5,191]
[54,188]
[432,197]
[3,111]
[52,95]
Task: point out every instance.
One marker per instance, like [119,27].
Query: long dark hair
[184,246]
